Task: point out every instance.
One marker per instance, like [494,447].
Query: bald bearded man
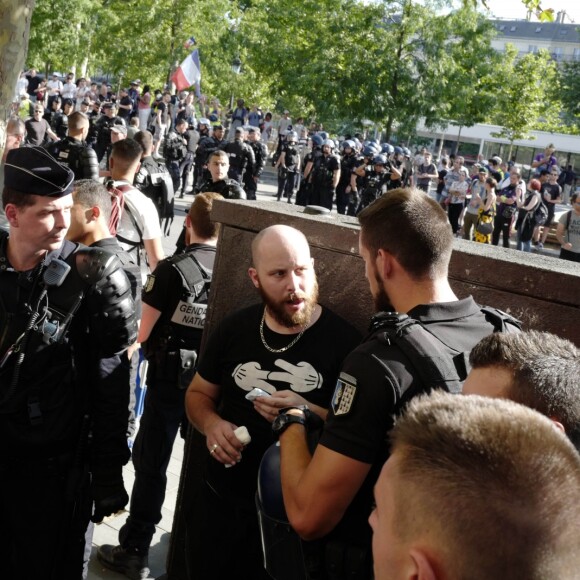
[290,347]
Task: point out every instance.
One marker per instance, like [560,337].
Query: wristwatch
[284,419]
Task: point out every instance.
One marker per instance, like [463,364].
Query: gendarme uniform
[229,188]
[64,324]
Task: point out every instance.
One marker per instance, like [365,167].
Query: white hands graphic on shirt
[301,377]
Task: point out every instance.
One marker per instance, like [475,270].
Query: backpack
[541,213]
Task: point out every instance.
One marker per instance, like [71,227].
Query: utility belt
[177,366]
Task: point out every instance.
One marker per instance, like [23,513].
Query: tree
[523,96]
[466,90]
[14,29]
[568,91]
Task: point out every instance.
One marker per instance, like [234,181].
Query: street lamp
[236,65]
[236,68]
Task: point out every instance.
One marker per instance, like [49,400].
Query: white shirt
[69,91]
[54,87]
[145,214]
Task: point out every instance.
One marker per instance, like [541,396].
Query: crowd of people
[441,477]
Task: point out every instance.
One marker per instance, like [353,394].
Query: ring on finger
[213,448]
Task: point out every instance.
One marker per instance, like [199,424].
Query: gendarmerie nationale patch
[149,283]
[343,394]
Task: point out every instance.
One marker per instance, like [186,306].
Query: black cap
[218,126]
[33,170]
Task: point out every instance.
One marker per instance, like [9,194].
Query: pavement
[107,532]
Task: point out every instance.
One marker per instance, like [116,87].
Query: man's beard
[301,318]
[381,300]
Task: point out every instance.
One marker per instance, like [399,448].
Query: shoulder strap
[194,276]
[500,320]
[127,208]
[568,219]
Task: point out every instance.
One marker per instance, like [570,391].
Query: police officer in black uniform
[174,308]
[420,340]
[252,178]
[344,188]
[323,173]
[66,315]
[103,129]
[175,151]
[375,178]
[153,178]
[241,156]
[219,182]
[288,164]
[304,194]
[205,146]
[74,151]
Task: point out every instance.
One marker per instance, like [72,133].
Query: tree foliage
[522,102]
[339,62]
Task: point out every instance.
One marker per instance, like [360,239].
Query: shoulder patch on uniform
[343,394]
[150,282]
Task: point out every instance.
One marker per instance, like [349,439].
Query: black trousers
[162,416]
[223,540]
[43,527]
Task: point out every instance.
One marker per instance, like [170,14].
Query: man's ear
[253,273]
[423,567]
[384,263]
[11,212]
[95,212]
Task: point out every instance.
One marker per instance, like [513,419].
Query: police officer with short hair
[175,151]
[64,309]
[73,150]
[252,178]
[219,182]
[241,156]
[174,308]
[205,146]
[103,127]
[288,164]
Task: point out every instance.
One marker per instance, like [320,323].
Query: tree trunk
[458,140]
[14,30]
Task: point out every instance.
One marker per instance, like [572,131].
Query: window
[532,48]
[539,29]
[513,29]
[502,27]
[557,53]
[576,54]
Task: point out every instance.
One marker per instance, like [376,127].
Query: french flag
[188,73]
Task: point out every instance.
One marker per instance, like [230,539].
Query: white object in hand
[242,434]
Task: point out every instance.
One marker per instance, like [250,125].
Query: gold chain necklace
[278,350]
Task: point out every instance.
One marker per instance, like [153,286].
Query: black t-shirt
[367,397]
[124,113]
[36,131]
[236,359]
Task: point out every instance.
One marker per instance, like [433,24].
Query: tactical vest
[182,328]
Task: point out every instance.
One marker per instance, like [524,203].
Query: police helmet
[204,121]
[292,137]
[323,135]
[317,140]
[369,151]
[348,143]
[387,148]
[379,160]
[398,150]
[329,143]
[407,152]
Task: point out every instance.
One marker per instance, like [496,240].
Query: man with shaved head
[291,348]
